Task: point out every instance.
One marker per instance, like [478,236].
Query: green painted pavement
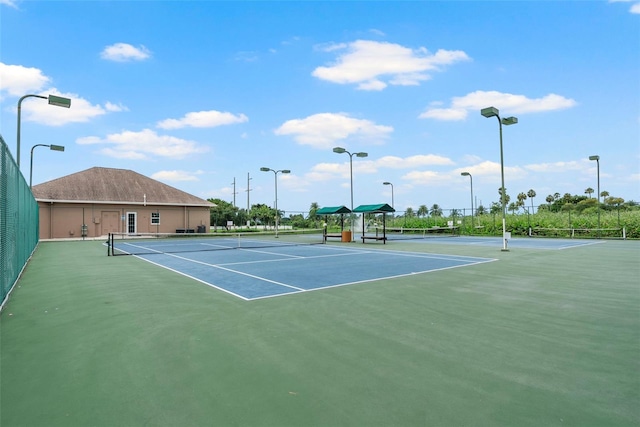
[537,338]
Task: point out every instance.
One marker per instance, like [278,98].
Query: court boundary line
[413,273]
[468,261]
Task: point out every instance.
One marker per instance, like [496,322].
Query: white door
[131,222]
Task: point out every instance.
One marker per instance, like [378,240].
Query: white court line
[468,261]
[237,272]
[413,273]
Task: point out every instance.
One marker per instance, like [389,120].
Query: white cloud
[176,176]
[203,119]
[444,114]
[558,167]
[18,80]
[143,144]
[426,178]
[124,52]
[510,103]
[9,3]
[373,65]
[393,162]
[246,56]
[80,111]
[491,171]
[323,130]
[635,7]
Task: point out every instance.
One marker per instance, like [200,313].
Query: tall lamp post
[51,147]
[493,112]
[597,159]
[471,178]
[53,100]
[341,150]
[275,174]
[388,183]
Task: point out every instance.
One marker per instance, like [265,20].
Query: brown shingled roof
[107,185]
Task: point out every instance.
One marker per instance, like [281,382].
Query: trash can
[346,236]
[202,229]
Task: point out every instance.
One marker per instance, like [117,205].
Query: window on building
[155,218]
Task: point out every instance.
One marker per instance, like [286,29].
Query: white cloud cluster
[139,145]
[18,80]
[9,3]
[176,175]
[514,104]
[124,52]
[322,130]
[374,65]
[635,7]
[203,119]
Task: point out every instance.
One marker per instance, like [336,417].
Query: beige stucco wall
[65,220]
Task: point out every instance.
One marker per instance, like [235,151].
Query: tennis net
[158,243]
[403,233]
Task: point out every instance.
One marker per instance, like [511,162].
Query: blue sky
[197,94]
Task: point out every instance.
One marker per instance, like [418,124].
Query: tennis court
[267,267]
[537,337]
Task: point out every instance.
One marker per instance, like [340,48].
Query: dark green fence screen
[18,222]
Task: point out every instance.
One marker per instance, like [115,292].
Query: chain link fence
[18,222]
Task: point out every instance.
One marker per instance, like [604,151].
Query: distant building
[99,201]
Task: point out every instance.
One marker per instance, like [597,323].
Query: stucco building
[98,201]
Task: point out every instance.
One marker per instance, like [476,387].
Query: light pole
[388,183]
[53,100]
[471,178]
[341,150]
[51,147]
[275,174]
[597,159]
[493,112]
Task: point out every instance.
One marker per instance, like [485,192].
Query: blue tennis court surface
[268,272]
[518,242]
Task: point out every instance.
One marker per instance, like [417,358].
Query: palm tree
[589,191]
[531,194]
[604,194]
[521,198]
[423,210]
[436,210]
[312,212]
[506,196]
[409,212]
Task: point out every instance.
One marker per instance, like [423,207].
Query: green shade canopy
[381,208]
[333,210]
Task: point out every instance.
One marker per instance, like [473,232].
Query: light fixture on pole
[493,112]
[51,147]
[471,178]
[597,159]
[53,100]
[388,183]
[341,150]
[275,174]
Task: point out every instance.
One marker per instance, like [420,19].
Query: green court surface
[536,338]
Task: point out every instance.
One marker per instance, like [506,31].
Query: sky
[200,95]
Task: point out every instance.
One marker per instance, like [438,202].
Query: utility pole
[248,205]
[248,189]
[234,191]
